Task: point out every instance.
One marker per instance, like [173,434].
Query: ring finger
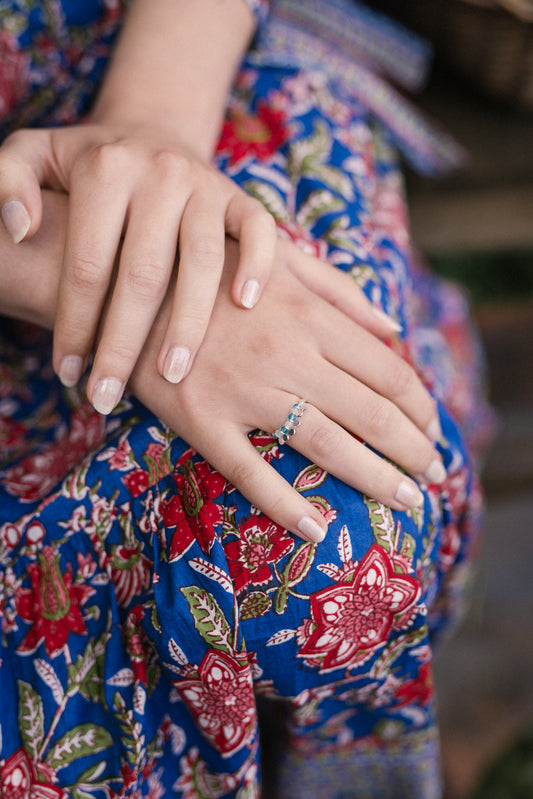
[330,446]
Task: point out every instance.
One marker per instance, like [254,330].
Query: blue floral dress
[153,621]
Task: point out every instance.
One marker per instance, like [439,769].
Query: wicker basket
[488,42]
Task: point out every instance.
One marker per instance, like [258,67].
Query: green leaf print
[318,204]
[30,718]
[307,153]
[282,597]
[255,604]
[269,197]
[83,740]
[209,619]
[336,180]
[86,673]
[382,522]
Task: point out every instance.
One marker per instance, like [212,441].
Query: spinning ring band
[288,429]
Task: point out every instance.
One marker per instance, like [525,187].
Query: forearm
[174,65]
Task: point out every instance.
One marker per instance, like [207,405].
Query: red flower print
[121,457]
[191,510]
[14,72]
[137,645]
[420,690]
[221,700]
[257,135]
[36,475]
[12,433]
[19,779]
[131,571]
[261,543]
[52,605]
[136,482]
[351,620]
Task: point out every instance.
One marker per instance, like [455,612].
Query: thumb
[24,166]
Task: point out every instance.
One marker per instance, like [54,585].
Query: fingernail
[387,319]
[250,293]
[409,494]
[436,473]
[107,394]
[176,364]
[434,430]
[16,219]
[70,370]
[311,529]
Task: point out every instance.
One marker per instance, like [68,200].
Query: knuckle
[207,252]
[325,441]
[379,417]
[86,275]
[72,330]
[146,281]
[107,159]
[401,377]
[171,167]
[193,319]
[242,474]
[120,352]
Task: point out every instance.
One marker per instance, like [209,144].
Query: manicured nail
[106,395]
[16,219]
[176,364]
[409,494]
[387,319]
[436,473]
[434,430]
[311,529]
[250,293]
[70,370]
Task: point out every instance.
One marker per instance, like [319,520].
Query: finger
[23,158]
[249,222]
[97,209]
[375,419]
[146,261]
[201,259]
[373,363]
[339,289]
[240,462]
[330,446]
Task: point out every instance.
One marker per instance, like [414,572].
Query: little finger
[373,363]
[376,420]
[328,444]
[249,222]
[339,289]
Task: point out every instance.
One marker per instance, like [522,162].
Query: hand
[253,366]
[139,185]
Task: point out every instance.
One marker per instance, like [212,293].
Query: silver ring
[288,429]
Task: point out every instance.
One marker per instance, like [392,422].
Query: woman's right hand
[252,367]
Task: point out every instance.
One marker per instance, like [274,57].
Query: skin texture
[254,364]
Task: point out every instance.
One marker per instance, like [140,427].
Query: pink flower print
[351,620]
[221,700]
